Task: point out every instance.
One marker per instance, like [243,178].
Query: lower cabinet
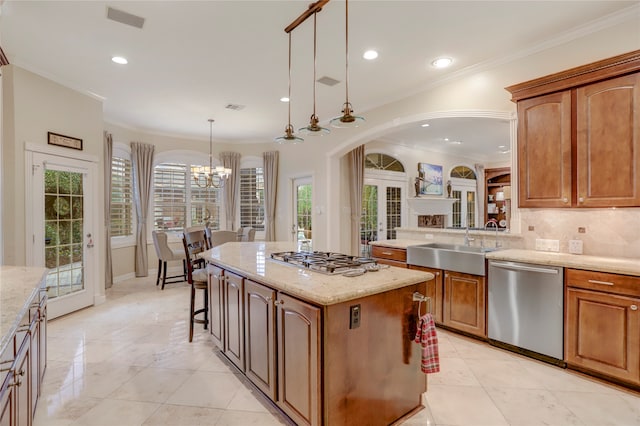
[602,331]
[260,337]
[216,304]
[7,400]
[390,256]
[435,291]
[464,302]
[298,331]
[234,318]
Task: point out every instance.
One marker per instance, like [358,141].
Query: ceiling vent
[235,107]
[328,81]
[124,18]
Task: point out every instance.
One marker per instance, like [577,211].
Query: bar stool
[166,254]
[194,243]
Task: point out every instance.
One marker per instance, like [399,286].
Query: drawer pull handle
[387,253]
[278,302]
[600,282]
[634,307]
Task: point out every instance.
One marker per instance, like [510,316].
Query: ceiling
[193,58]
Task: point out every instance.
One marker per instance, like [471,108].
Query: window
[382,162]
[121,198]
[177,204]
[252,198]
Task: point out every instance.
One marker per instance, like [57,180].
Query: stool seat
[167,254]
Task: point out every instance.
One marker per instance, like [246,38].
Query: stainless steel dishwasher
[525,308]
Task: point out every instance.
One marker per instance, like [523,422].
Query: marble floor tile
[453,371]
[463,405]
[110,412]
[504,373]
[531,407]
[207,389]
[152,385]
[172,415]
[598,409]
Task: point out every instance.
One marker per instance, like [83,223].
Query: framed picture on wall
[65,141]
[431,179]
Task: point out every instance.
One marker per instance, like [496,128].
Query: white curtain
[231,160]
[480,195]
[356,186]
[108,153]
[270,160]
[142,164]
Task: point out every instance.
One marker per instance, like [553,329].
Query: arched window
[463,189]
[379,161]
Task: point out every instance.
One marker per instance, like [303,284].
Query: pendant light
[313,129]
[347,119]
[210,177]
[289,137]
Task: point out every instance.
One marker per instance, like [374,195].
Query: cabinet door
[216,304]
[7,401]
[42,347]
[260,339]
[464,302]
[23,383]
[35,357]
[234,319]
[434,290]
[608,143]
[603,333]
[544,151]
[298,330]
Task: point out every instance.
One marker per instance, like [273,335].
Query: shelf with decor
[498,196]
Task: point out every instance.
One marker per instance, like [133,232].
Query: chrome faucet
[467,238]
[495,225]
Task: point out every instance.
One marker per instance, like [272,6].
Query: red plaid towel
[428,338]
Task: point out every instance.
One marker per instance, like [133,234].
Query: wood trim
[600,70]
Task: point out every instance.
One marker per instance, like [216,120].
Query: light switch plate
[575,246]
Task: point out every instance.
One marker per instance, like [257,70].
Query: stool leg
[184,268]
[164,274]
[206,308]
[159,271]
[193,300]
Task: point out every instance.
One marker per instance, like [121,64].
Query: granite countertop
[18,287]
[617,265]
[252,260]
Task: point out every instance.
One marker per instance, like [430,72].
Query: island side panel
[372,373]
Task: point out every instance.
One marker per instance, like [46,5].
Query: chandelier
[209,176]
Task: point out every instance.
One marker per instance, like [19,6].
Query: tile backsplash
[608,232]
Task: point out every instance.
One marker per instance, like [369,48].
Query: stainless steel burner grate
[320,261]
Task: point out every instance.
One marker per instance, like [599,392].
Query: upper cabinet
[579,136]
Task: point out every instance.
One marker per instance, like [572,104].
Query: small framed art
[65,141]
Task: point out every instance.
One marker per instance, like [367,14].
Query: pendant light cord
[289,124]
[210,145]
[315,14]
[346,44]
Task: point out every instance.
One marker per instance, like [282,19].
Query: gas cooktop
[325,262]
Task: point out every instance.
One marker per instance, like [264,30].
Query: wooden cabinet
[216,304]
[464,303]
[602,324]
[260,336]
[435,291]
[579,136]
[544,151]
[7,400]
[298,331]
[390,256]
[234,318]
[608,143]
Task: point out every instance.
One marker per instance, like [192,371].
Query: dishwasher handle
[521,267]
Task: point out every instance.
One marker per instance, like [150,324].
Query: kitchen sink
[450,257]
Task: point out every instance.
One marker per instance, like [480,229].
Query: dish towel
[428,339]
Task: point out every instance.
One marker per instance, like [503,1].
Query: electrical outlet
[547,245]
[575,246]
[354,317]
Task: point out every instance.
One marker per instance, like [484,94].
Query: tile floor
[128,362]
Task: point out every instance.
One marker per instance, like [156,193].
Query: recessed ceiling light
[502,146]
[120,60]
[284,99]
[442,62]
[424,125]
[370,54]
[455,143]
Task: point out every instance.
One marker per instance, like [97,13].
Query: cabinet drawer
[603,281]
[389,253]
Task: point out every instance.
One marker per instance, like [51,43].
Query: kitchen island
[23,341]
[326,349]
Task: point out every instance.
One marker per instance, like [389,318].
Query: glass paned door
[302,229]
[63,208]
[382,212]
[63,224]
